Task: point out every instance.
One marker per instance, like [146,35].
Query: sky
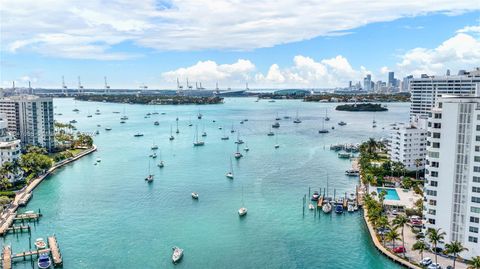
[267,43]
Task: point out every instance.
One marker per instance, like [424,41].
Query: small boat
[344,155]
[270,133]
[350,208]
[108,129]
[297,119]
[161,164]
[242,211]
[315,196]
[352,173]
[204,134]
[76,110]
[171,136]
[40,243]
[177,254]
[246,148]
[153,155]
[89,116]
[239,141]
[225,138]
[327,208]
[326,115]
[149,178]
[230,173]
[311,206]
[194,195]
[339,209]
[241,122]
[122,121]
[232,130]
[154,147]
[177,131]
[245,119]
[97,132]
[156,123]
[138,135]
[323,130]
[237,154]
[163,113]
[44,261]
[276,125]
[342,123]
[278,118]
[199,116]
[73,121]
[99,160]
[197,142]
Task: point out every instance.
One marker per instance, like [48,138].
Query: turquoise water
[107,216]
[391,194]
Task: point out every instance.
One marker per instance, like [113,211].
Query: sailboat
[327,207]
[154,146]
[149,178]
[232,130]
[197,142]
[237,154]
[199,115]
[323,130]
[178,131]
[239,141]
[374,122]
[224,137]
[297,119]
[278,118]
[270,133]
[243,210]
[171,135]
[276,142]
[124,117]
[246,147]
[230,173]
[204,134]
[326,115]
[190,122]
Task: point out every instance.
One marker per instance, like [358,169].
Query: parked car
[434,266]
[426,261]
[399,249]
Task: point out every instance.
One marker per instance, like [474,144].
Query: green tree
[35,164]
[418,163]
[401,221]
[420,246]
[474,263]
[392,235]
[35,149]
[435,236]
[454,248]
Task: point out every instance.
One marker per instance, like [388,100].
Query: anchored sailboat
[197,142]
[230,173]
[243,210]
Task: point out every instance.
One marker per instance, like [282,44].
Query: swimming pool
[391,194]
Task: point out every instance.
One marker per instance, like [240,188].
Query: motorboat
[204,134]
[315,196]
[242,211]
[108,129]
[344,155]
[270,133]
[177,254]
[194,195]
[339,209]
[238,155]
[44,261]
[122,121]
[229,175]
[199,116]
[276,125]
[161,164]
[154,147]
[99,160]
[311,206]
[149,178]
[350,208]
[352,173]
[73,121]
[97,132]
[138,135]
[327,208]
[156,123]
[153,155]
[40,243]
[342,123]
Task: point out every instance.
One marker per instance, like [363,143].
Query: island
[151,99]
[368,107]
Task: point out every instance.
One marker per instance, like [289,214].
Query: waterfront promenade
[23,196]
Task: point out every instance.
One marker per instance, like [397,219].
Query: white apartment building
[425,90]
[452,188]
[408,146]
[30,118]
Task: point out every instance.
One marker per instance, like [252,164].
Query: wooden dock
[19,228]
[55,251]
[27,216]
[320,202]
[7,257]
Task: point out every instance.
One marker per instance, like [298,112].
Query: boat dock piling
[19,228]
[54,250]
[28,216]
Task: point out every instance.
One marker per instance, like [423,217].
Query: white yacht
[177,254]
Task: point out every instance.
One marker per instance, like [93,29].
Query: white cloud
[470,29]
[211,72]
[462,51]
[92,29]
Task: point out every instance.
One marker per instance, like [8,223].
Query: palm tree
[420,246]
[474,263]
[392,235]
[435,236]
[382,222]
[371,146]
[454,248]
[400,221]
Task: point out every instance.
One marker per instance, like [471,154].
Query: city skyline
[318,52]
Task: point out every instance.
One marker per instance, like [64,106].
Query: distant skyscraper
[391,79]
[406,82]
[367,83]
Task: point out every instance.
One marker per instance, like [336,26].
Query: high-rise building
[452,187]
[427,89]
[10,149]
[391,79]
[407,145]
[30,118]
[367,83]
[406,83]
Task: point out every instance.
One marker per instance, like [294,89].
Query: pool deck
[407,199]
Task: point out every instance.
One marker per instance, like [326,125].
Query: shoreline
[23,196]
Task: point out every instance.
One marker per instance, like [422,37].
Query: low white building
[10,149]
[452,187]
[408,146]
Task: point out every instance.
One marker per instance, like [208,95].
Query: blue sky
[132,53]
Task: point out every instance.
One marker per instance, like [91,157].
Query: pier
[53,250]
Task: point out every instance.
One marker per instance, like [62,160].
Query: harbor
[274,183]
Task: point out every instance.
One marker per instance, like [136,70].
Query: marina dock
[53,250]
